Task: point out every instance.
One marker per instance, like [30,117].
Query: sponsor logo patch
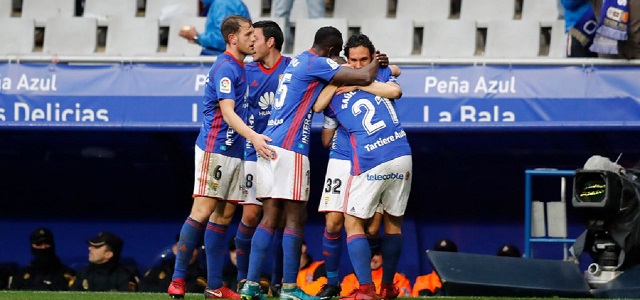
[225,85]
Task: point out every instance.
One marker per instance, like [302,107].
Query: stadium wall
[92,144]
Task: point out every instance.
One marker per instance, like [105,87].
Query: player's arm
[363,76]
[328,130]
[326,95]
[259,141]
[388,89]
[395,70]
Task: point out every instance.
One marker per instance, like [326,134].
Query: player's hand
[346,89]
[382,59]
[259,142]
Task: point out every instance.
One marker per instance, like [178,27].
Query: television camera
[607,197]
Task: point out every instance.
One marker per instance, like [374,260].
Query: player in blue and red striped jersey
[360,52]
[380,175]
[218,160]
[263,76]
[290,127]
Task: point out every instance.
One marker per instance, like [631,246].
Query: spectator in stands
[430,284]
[312,275]
[45,272]
[105,273]
[577,43]
[628,48]
[159,276]
[509,250]
[211,39]
[282,9]
[350,282]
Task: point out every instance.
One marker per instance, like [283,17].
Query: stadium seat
[423,11]
[557,45]
[449,38]
[103,10]
[179,46]
[545,11]
[165,10]
[132,36]
[306,31]
[513,39]
[41,10]
[483,11]
[255,8]
[380,31]
[21,36]
[70,36]
[356,10]
[6,7]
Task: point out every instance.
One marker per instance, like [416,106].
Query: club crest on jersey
[334,65]
[225,85]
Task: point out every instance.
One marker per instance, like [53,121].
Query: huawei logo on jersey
[266,100]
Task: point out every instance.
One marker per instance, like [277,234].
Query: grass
[26,295]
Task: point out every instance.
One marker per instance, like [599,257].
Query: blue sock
[360,256]
[243,249]
[276,275]
[391,249]
[292,247]
[190,235]
[331,249]
[215,246]
[375,244]
[259,244]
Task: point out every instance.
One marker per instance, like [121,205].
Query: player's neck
[271,59]
[236,53]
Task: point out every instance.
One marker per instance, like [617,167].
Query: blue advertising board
[468,97]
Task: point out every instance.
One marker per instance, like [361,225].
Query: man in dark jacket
[45,272]
[104,272]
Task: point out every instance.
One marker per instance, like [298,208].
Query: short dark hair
[232,25]
[358,40]
[271,29]
[327,36]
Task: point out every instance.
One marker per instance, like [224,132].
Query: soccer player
[218,160]
[289,127]
[380,174]
[359,50]
[263,75]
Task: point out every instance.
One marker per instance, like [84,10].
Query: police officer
[159,276]
[104,272]
[45,272]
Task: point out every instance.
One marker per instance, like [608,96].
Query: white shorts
[335,183]
[388,184]
[285,177]
[249,193]
[218,176]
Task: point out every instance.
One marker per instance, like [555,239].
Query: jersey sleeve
[329,122]
[223,80]
[324,68]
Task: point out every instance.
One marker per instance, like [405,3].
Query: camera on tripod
[606,195]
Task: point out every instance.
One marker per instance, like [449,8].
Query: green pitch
[20,295]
